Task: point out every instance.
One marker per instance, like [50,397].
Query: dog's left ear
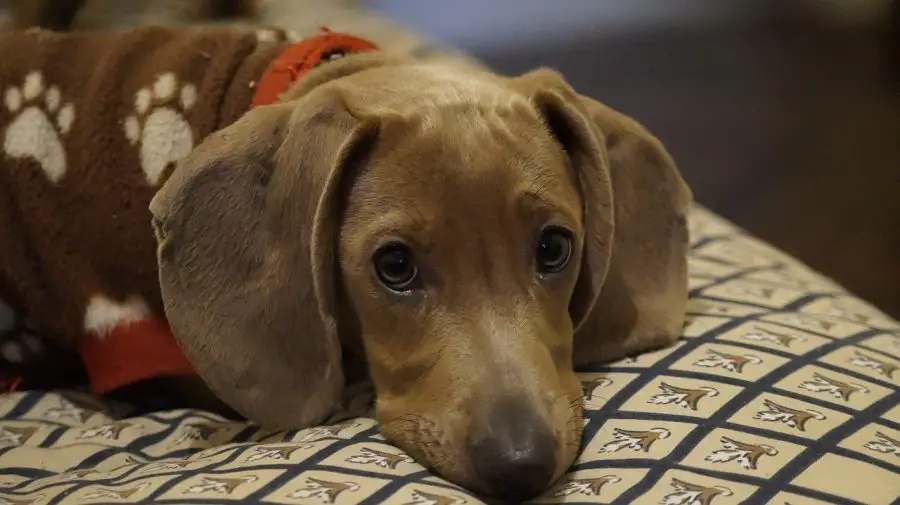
[632,289]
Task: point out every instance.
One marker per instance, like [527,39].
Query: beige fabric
[784,389]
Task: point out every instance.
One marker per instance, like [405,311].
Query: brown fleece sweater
[91,124]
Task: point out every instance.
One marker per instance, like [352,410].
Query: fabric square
[598,485]
[598,388]
[729,361]
[852,309]
[775,337]
[698,326]
[742,453]
[729,251]
[424,494]
[326,488]
[866,362]
[876,441]
[823,384]
[743,291]
[620,439]
[678,487]
[681,396]
[374,457]
[851,479]
[886,343]
[789,416]
[817,324]
[220,486]
[646,359]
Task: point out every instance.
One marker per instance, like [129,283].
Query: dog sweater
[91,125]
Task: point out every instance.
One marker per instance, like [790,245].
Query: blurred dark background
[784,115]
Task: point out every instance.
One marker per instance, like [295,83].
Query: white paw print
[159,125]
[36,130]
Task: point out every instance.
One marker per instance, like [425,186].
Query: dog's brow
[537,198]
[408,225]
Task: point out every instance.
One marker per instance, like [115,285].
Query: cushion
[783,390]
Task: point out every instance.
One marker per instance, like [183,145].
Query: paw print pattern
[40,121]
[159,125]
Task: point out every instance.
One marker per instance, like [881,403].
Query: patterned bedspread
[785,389]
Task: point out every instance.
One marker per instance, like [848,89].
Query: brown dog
[474,237]
[474,234]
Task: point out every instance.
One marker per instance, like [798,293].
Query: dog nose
[515,454]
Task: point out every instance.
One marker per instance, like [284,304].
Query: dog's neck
[292,64]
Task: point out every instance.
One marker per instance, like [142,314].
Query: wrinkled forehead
[491,157]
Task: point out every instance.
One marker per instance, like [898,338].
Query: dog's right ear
[246,226]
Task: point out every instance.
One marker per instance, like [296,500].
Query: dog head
[456,223]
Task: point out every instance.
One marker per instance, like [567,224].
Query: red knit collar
[298,59]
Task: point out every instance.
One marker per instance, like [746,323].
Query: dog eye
[395,267]
[554,249]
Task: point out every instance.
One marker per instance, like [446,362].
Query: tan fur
[266,234]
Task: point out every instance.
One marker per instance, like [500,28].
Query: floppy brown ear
[245,227]
[643,302]
[643,294]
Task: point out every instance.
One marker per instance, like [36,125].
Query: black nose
[514,455]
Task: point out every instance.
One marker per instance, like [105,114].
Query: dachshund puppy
[475,237]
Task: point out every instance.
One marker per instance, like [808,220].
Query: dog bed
[785,389]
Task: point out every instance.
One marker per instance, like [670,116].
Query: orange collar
[298,59]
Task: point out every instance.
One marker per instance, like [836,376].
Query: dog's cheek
[555,324]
